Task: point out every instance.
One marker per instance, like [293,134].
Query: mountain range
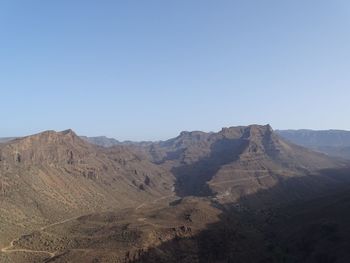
[200,197]
[332,142]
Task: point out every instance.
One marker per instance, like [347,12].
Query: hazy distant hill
[109,142]
[332,142]
[101,140]
[6,139]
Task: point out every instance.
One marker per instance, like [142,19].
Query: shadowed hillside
[312,228]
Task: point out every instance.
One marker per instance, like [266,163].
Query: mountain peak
[257,131]
[47,146]
[68,132]
[53,135]
[266,127]
[245,131]
[49,134]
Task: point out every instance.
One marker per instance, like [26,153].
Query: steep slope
[57,175]
[332,142]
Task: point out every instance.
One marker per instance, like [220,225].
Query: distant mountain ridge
[101,140]
[332,142]
[6,139]
[109,142]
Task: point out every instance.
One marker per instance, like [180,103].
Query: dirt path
[59,223]
[241,180]
[145,221]
[9,249]
[140,206]
[153,202]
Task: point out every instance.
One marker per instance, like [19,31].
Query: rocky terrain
[238,161]
[228,196]
[57,175]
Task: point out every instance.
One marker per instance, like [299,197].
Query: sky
[146,70]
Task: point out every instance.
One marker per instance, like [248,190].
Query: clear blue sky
[145,70]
